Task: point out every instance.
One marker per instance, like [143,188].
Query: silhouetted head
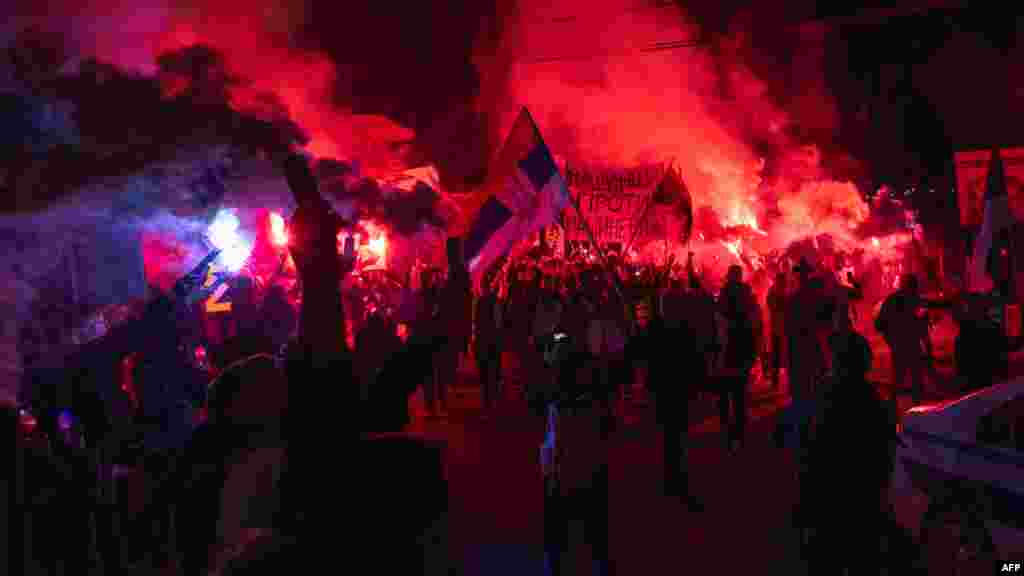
[908,283]
[780,280]
[251,389]
[276,294]
[852,358]
[734,275]
[298,174]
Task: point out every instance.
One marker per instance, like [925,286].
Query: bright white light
[234,257]
[223,234]
[223,231]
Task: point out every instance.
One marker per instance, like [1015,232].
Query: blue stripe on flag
[492,216]
[539,166]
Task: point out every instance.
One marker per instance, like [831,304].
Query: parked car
[959,473]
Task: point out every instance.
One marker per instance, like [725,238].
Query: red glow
[164,260]
[173,85]
[676,117]
[735,247]
[371,243]
[28,423]
[301,84]
[673,115]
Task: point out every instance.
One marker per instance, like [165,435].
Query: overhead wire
[661,46]
[658,47]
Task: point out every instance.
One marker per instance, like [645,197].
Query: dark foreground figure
[852,530]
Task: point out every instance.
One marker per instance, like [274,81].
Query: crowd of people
[246,484]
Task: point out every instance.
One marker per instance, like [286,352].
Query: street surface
[495,494]
[495,489]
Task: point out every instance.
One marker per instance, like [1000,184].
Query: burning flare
[278,230]
[224,235]
[371,244]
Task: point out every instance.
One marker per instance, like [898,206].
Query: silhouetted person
[804,326]
[279,317]
[387,398]
[233,461]
[489,323]
[576,484]
[777,321]
[904,326]
[849,466]
[171,390]
[741,314]
[980,347]
[322,392]
[676,368]
[456,311]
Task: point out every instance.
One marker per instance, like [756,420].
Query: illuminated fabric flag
[525,193]
[997,218]
[672,191]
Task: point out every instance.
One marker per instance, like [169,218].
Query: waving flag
[525,192]
[672,191]
[997,218]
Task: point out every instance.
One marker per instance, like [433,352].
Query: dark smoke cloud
[125,122]
[186,153]
[405,212]
[888,216]
[330,64]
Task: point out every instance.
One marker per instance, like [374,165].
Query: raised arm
[314,230]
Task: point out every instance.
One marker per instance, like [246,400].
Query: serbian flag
[996,219]
[525,193]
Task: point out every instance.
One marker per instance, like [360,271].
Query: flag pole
[647,207]
[586,227]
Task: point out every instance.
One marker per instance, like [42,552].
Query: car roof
[957,418]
